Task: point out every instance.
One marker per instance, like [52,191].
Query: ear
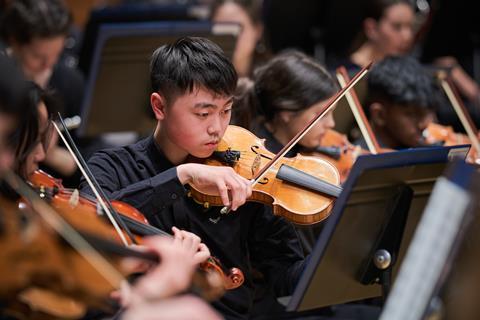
[159,105]
[285,116]
[370,29]
[378,114]
[258,31]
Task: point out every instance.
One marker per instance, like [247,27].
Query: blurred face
[38,152]
[295,122]
[7,125]
[193,124]
[248,38]
[393,33]
[38,56]
[404,126]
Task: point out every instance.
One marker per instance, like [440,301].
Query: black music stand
[379,208]
[119,82]
[450,222]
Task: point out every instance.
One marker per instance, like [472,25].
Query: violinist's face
[402,125]
[38,152]
[192,125]
[7,124]
[39,55]
[393,33]
[297,121]
[251,32]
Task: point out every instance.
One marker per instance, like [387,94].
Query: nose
[40,153]
[407,34]
[215,126]
[6,160]
[329,121]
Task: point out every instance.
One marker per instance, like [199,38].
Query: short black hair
[189,63]
[24,20]
[401,80]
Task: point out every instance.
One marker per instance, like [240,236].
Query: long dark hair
[291,81]
[28,132]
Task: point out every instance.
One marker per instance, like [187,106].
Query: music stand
[119,82]
[445,224]
[378,185]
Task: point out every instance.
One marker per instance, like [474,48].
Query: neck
[279,135]
[172,152]
[366,54]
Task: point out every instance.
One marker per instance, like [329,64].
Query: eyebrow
[206,105]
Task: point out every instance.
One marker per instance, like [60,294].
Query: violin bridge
[256,164]
[74,199]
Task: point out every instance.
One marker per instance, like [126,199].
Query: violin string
[102,203]
[65,230]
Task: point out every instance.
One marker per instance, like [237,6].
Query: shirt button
[173,196]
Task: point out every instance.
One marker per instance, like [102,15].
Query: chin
[202,154]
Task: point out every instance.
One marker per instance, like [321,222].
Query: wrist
[184,173]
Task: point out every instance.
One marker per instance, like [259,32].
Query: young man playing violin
[400,102]
[193,86]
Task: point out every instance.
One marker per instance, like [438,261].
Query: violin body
[295,203]
[65,199]
[41,267]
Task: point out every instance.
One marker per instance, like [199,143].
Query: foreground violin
[66,199]
[55,262]
[301,189]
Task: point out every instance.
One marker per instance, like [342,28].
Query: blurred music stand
[450,222]
[131,13]
[379,189]
[119,82]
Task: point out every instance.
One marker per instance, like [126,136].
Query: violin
[57,260]
[65,199]
[93,287]
[301,189]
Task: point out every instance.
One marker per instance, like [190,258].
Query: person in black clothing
[285,95]
[193,85]
[14,110]
[401,98]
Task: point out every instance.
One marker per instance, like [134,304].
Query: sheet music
[428,252]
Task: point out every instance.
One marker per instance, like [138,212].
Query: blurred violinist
[285,94]
[34,34]
[193,85]
[13,109]
[400,102]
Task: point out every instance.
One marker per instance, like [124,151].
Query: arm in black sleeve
[276,251]
[120,181]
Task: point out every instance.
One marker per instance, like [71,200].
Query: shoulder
[124,153]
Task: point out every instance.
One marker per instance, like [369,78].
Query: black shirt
[251,237]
